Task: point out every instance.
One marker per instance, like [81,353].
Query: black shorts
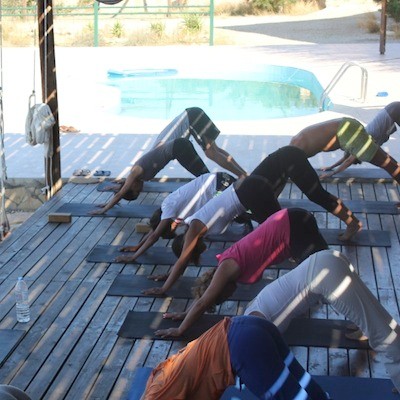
[201,127]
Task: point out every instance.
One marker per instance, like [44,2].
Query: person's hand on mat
[124,259]
[170,332]
[175,316]
[98,211]
[158,278]
[327,175]
[154,290]
[130,248]
[329,168]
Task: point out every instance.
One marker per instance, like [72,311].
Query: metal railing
[336,78]
[97,12]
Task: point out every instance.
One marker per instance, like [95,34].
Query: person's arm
[145,243]
[136,247]
[346,164]
[195,231]
[129,182]
[333,166]
[218,283]
[224,159]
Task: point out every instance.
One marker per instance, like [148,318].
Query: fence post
[211,23]
[96,24]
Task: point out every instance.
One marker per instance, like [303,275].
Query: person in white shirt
[177,206]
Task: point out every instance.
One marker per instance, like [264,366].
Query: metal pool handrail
[336,78]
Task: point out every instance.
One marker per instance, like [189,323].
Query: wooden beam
[49,90]
[382,42]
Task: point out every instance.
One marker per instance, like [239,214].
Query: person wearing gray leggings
[329,276]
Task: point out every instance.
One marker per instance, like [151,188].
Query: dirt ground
[340,22]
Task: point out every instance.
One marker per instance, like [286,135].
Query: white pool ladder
[336,78]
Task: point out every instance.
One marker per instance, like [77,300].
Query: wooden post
[382,41]
[49,90]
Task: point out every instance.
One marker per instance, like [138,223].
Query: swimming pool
[258,93]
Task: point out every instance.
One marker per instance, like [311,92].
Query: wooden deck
[71,349]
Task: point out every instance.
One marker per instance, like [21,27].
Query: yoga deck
[74,322]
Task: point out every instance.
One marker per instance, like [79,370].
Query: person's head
[134,190]
[177,246]
[155,219]
[203,282]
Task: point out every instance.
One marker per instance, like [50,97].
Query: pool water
[270,92]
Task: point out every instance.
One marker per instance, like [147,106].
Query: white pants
[328,275]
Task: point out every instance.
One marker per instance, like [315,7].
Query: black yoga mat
[338,387]
[365,237]
[307,332]
[359,174]
[125,211]
[357,206]
[9,339]
[151,186]
[159,255]
[132,286]
[154,255]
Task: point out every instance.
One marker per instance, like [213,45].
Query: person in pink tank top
[288,233]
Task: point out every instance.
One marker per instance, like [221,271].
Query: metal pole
[211,22]
[382,41]
[96,24]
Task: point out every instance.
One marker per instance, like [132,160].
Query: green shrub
[158,28]
[275,6]
[192,23]
[117,30]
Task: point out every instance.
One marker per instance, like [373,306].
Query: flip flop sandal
[101,172]
[81,172]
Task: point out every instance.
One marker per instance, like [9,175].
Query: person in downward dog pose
[349,135]
[329,276]
[180,204]
[380,128]
[173,143]
[246,347]
[289,233]
[194,122]
[291,162]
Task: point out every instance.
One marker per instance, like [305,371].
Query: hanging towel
[38,127]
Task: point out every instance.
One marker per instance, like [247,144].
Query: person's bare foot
[353,228]
[356,335]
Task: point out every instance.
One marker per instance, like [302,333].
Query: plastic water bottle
[22,301]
